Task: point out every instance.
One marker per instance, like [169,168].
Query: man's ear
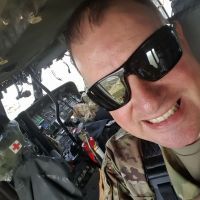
[179,30]
[181,35]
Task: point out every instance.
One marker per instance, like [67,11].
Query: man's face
[166,111]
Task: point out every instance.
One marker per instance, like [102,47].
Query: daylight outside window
[52,77]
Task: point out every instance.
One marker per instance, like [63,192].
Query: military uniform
[122,173]
[183,166]
[11,143]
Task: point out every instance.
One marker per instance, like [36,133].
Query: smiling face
[166,111]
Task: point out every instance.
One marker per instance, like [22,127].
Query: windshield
[55,75]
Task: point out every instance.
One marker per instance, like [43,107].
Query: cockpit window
[58,73]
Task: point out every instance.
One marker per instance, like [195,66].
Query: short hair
[94,11]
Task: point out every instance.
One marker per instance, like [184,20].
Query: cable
[59,79]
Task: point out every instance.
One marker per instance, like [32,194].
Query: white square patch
[15,146]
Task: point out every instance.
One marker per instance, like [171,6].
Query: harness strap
[156,172]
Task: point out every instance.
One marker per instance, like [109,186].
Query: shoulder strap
[156,172]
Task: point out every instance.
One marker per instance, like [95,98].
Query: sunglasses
[154,58]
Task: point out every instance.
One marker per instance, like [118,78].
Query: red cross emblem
[15,146]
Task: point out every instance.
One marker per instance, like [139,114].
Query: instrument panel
[40,124]
[41,117]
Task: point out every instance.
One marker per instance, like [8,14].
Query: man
[137,68]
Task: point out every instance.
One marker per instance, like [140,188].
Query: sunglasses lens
[112,92]
[115,88]
[156,56]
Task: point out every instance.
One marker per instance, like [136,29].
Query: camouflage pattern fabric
[122,173]
[85,111]
[11,145]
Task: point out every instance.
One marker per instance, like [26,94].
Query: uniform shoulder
[121,136]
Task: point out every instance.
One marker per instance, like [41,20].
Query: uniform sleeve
[122,174]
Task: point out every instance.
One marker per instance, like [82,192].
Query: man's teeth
[166,115]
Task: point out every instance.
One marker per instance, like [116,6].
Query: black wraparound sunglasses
[154,58]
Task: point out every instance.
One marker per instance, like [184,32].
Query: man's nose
[146,96]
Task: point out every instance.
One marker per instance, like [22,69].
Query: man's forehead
[136,11]
[116,37]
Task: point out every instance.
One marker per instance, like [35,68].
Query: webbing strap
[167,191]
[156,172]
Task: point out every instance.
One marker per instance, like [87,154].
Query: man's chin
[194,141]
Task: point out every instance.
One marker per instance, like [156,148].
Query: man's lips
[165,116]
